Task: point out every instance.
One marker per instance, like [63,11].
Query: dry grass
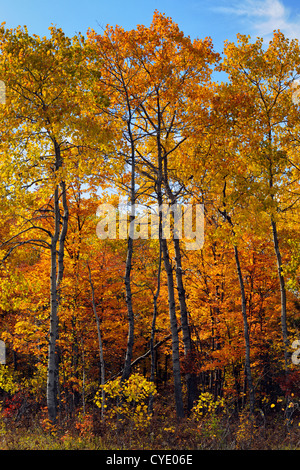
[212,433]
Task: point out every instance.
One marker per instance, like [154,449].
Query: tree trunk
[170,280]
[279,270]
[155,298]
[174,332]
[282,294]
[52,371]
[56,276]
[130,339]
[246,332]
[191,378]
[101,357]
[244,309]
[83,376]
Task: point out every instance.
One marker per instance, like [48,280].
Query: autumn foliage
[123,333]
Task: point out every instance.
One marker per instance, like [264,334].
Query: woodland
[141,343]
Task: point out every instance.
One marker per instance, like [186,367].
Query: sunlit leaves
[128,399]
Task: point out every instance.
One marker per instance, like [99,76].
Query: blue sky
[219,19]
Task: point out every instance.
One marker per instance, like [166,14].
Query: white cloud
[263,16]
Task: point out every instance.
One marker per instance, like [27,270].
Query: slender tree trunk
[191,378]
[246,332]
[83,376]
[101,356]
[244,311]
[152,338]
[282,295]
[62,236]
[56,276]
[170,280]
[174,332]
[52,371]
[130,338]
[279,270]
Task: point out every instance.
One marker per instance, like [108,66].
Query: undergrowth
[126,422]
[205,430]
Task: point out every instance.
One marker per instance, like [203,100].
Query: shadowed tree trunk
[56,276]
[244,310]
[282,295]
[100,344]
[155,298]
[174,332]
[246,332]
[130,338]
[191,378]
[170,282]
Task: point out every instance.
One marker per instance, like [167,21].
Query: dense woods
[139,331]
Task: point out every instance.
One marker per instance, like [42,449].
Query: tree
[266,76]
[45,82]
[162,78]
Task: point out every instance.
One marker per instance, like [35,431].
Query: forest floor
[212,433]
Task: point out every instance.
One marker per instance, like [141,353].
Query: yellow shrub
[207,404]
[8,380]
[127,399]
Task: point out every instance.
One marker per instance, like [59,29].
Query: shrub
[207,404]
[128,399]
